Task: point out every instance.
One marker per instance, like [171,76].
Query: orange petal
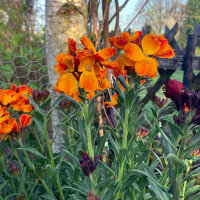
[69,62]
[104,84]
[148,67]
[87,64]
[137,37]
[133,52]
[165,50]
[60,68]
[88,44]
[150,44]
[59,58]
[25,120]
[67,83]
[127,61]
[88,81]
[107,52]
[90,95]
[121,41]
[109,64]
[71,46]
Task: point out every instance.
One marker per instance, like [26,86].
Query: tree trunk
[63,19]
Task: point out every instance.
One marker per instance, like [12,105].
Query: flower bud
[15,171]
[92,196]
[87,164]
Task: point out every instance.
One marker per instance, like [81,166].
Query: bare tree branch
[101,26]
[120,8]
[138,13]
[117,18]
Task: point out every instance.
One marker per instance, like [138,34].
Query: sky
[124,14]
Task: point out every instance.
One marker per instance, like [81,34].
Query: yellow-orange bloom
[148,67]
[25,120]
[67,83]
[157,46]
[120,41]
[88,81]
[103,55]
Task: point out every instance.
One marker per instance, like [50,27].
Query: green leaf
[55,104]
[108,168]
[194,172]
[33,151]
[35,105]
[192,190]
[123,82]
[65,187]
[47,196]
[101,145]
[129,97]
[113,143]
[76,160]
[148,175]
[2,185]
[51,172]
[177,162]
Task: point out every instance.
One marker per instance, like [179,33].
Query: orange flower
[103,55]
[87,64]
[113,101]
[71,46]
[88,81]
[137,37]
[142,132]
[157,46]
[104,84]
[121,41]
[67,83]
[4,114]
[25,120]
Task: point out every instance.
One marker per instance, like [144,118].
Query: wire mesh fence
[22,39]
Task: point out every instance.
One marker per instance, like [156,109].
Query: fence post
[187,62]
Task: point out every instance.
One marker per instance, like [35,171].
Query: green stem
[88,131]
[180,155]
[125,129]
[52,159]
[38,140]
[185,183]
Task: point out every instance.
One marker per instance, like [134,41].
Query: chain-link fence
[22,43]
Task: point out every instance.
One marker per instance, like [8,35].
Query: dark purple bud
[45,94]
[160,102]
[92,196]
[87,164]
[187,97]
[37,96]
[179,120]
[65,103]
[15,171]
[196,100]
[179,99]
[171,88]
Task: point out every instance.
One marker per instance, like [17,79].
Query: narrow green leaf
[55,104]
[47,196]
[108,168]
[33,151]
[72,100]
[65,187]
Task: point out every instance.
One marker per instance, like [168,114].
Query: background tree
[64,19]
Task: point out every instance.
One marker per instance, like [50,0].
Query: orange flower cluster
[141,60]
[83,68]
[15,99]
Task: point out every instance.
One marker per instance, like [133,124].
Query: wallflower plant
[149,154]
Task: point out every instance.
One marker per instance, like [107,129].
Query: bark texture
[64,19]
